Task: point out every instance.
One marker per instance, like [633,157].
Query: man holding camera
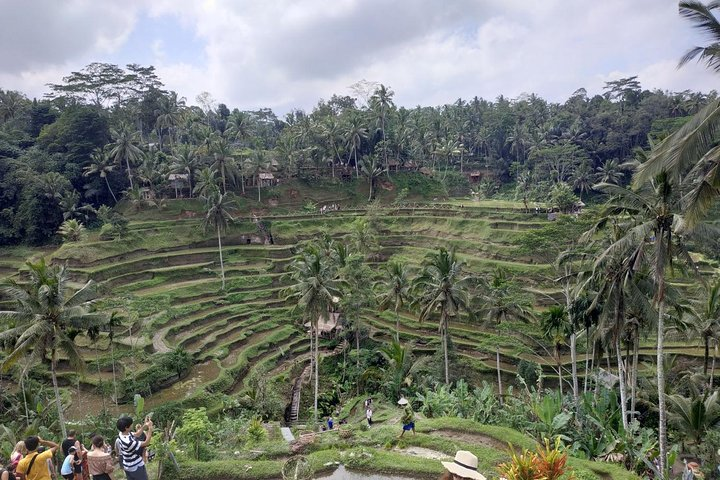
[131,449]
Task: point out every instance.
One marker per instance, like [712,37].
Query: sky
[286,54]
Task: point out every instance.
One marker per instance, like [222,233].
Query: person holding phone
[131,453]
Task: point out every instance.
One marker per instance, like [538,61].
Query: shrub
[72,231]
[456,184]
[195,430]
[256,431]
[546,463]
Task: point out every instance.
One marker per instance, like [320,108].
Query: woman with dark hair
[99,461]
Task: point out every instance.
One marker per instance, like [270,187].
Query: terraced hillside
[163,281]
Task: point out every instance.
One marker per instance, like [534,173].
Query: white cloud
[288,53]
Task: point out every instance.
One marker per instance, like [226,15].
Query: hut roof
[267,176]
[329,324]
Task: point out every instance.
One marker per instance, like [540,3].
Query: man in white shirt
[131,457]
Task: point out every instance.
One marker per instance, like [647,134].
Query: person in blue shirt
[68,467]
[330,423]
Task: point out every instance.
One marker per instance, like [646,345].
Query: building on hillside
[267,179]
[146,193]
[329,327]
[426,171]
[178,181]
[393,165]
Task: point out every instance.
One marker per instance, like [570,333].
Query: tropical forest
[361,289]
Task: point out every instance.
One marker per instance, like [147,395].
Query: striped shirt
[130,452]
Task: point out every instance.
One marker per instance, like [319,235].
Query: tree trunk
[317,359]
[357,169]
[712,368]
[112,358]
[397,325]
[662,427]
[573,355]
[587,359]
[258,185]
[222,172]
[707,355]
[27,412]
[110,190]
[621,380]
[559,368]
[357,344]
[500,386]
[190,185]
[127,163]
[633,374]
[445,350]
[58,403]
[370,179]
[242,181]
[222,267]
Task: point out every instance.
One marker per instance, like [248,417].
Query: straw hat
[403,401]
[464,465]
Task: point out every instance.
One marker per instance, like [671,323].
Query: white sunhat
[403,401]
[464,465]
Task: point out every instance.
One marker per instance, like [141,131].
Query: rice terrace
[518,288]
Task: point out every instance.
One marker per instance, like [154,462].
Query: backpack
[11,473]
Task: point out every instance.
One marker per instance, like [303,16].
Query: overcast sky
[287,54]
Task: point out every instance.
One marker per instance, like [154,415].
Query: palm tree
[331,133]
[124,148]
[46,312]
[169,115]
[442,288]
[582,179]
[72,230]
[185,160]
[101,164]
[207,182]
[239,126]
[554,323]
[706,313]
[217,217]
[256,164]
[224,161]
[372,170]
[315,288]
[401,366]
[363,237]
[354,134]
[610,172]
[696,415]
[381,104]
[703,19]
[395,290]
[651,229]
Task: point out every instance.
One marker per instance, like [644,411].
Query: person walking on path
[408,417]
[131,448]
[27,467]
[70,442]
[100,464]
[464,466]
[368,415]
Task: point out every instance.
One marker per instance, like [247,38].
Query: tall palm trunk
[662,427]
[712,368]
[633,374]
[587,360]
[397,325]
[621,379]
[110,190]
[190,185]
[112,357]
[58,403]
[317,359]
[222,173]
[573,357]
[27,412]
[500,386]
[258,185]
[127,163]
[559,367]
[222,267]
[357,169]
[707,354]
[444,323]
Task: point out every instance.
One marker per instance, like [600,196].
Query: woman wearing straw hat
[463,466]
[408,417]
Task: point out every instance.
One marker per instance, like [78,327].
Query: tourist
[131,448]
[17,454]
[408,417]
[69,442]
[100,464]
[464,466]
[368,416]
[6,473]
[330,423]
[27,466]
[71,462]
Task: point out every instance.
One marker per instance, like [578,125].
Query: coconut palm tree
[46,311]
[703,19]
[395,290]
[101,164]
[72,230]
[169,116]
[240,127]
[207,182]
[217,217]
[381,105]
[185,160]
[256,164]
[124,148]
[694,416]
[372,170]
[554,323]
[315,288]
[223,161]
[706,313]
[355,133]
[651,229]
[401,366]
[442,288]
